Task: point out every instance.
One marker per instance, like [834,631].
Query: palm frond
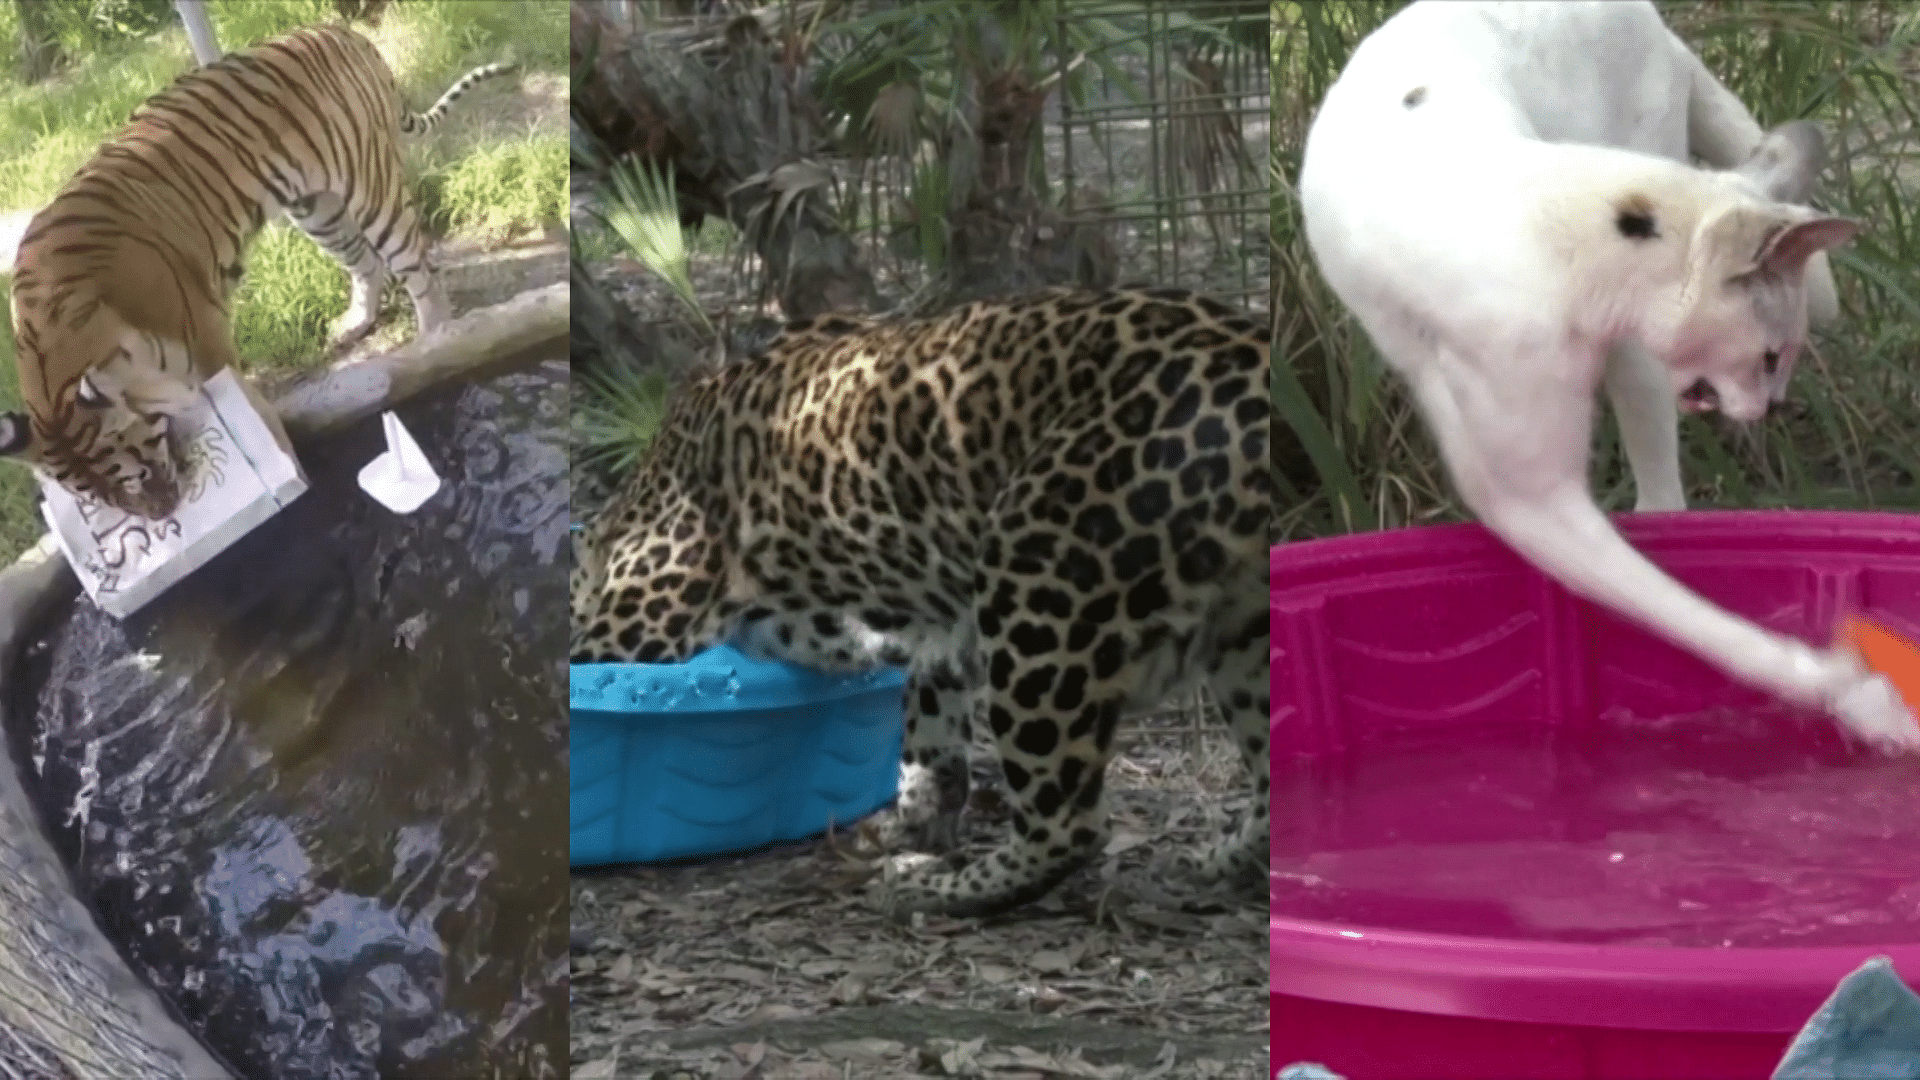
[645,213]
[618,417]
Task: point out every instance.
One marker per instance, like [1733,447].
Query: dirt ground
[778,967]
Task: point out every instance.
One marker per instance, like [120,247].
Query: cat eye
[1772,361]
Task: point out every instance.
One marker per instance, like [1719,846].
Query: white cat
[1499,192]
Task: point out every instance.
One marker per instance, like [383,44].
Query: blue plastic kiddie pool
[723,754]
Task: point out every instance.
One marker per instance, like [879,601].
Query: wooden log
[712,104]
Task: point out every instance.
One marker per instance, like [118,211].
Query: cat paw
[1838,683]
[1873,710]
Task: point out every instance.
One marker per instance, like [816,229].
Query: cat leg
[1527,481]
[1649,422]
[402,244]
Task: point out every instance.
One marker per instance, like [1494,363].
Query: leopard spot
[1147,598]
[1017,777]
[1163,453]
[1079,569]
[1212,433]
[1115,472]
[1028,692]
[1136,557]
[1150,502]
[1033,639]
[1201,562]
[1135,416]
[1228,391]
[1182,410]
[1099,525]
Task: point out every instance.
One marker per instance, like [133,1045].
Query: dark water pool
[317,792]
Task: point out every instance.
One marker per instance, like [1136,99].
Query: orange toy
[1887,653]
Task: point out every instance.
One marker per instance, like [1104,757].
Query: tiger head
[94,434]
[110,311]
[104,451]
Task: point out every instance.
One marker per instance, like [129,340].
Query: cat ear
[1790,247]
[1787,163]
[1747,240]
[16,434]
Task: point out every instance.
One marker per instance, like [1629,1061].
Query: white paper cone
[402,478]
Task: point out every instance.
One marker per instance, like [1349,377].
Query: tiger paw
[343,341]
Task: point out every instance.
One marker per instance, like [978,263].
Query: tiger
[122,282]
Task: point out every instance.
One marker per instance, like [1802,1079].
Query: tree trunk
[1004,237]
[349,392]
[39,49]
[715,104]
[997,213]
[602,332]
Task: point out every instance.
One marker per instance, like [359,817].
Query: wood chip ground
[779,967]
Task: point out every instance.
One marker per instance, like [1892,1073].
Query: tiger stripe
[122,282]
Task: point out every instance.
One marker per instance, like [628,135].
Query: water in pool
[1751,829]
[317,792]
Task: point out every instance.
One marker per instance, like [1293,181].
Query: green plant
[645,214]
[617,417]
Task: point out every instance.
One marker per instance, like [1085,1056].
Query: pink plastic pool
[1515,836]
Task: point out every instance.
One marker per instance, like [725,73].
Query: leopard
[1050,510]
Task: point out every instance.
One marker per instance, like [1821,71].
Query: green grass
[501,188]
[1851,441]
[620,409]
[479,178]
[619,417]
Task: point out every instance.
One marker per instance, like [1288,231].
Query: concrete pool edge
[61,980]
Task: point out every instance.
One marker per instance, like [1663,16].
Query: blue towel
[1868,1030]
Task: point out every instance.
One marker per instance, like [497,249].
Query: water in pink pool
[1722,831]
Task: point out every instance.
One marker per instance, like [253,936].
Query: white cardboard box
[239,476]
